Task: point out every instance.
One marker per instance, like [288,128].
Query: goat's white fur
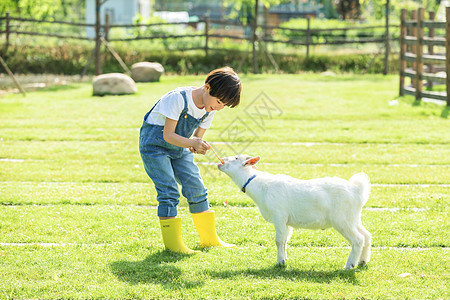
[288,202]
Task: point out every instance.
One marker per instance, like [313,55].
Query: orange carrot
[215,153]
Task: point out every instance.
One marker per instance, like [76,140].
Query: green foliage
[65,58]
[323,36]
[376,9]
[71,57]
[7,5]
[39,55]
[48,10]
[44,9]
[330,10]
[245,9]
[161,31]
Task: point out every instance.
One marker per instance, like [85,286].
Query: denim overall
[167,165]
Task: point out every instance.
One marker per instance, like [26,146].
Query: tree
[245,9]
[249,11]
[44,9]
[349,9]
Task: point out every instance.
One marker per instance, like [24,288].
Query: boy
[171,132]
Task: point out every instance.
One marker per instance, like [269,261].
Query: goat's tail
[362,182]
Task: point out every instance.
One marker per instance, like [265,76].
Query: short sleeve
[207,121]
[171,106]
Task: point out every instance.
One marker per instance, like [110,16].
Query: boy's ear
[251,161]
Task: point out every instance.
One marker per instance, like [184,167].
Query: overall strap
[150,111]
[154,106]
[204,116]
[185,109]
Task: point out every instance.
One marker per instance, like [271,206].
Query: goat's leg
[365,254]
[356,240]
[282,234]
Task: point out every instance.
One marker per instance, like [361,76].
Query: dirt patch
[32,82]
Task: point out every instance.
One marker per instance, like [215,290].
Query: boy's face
[211,103]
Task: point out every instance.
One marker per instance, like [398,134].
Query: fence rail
[424,66]
[329,36]
[308,30]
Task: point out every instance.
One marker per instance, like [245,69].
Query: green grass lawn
[78,213]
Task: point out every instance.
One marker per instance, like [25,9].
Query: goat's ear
[251,161]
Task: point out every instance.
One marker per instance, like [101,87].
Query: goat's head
[236,164]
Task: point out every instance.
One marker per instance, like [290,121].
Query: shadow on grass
[417,103]
[281,272]
[157,268]
[57,88]
[445,112]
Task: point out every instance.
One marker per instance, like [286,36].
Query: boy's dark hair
[225,85]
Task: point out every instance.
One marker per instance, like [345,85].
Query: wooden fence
[430,66]
[336,36]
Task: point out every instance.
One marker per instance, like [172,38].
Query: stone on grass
[146,71]
[113,84]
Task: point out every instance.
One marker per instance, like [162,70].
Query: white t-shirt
[172,104]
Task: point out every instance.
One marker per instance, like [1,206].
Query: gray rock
[113,84]
[146,71]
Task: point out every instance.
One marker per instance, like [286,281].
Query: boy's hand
[199,146]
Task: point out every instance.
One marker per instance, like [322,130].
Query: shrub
[71,58]
[323,36]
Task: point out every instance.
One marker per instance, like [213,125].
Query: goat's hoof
[364,261]
[349,267]
[362,265]
[281,264]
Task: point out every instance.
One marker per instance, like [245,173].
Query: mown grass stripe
[146,183]
[350,164]
[297,247]
[20,160]
[212,142]
[411,184]
[381,209]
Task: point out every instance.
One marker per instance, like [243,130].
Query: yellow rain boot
[206,228]
[171,233]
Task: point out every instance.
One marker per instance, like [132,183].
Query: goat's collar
[248,181]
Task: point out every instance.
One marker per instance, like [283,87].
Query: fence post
[413,32]
[255,26]
[206,34]
[386,41]
[447,51]
[107,25]
[98,63]
[8,29]
[419,54]
[308,35]
[403,49]
[431,16]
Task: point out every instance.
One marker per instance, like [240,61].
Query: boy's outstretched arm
[199,132]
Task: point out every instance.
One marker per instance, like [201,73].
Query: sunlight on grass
[79,212]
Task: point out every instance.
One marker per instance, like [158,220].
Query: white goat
[288,202]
